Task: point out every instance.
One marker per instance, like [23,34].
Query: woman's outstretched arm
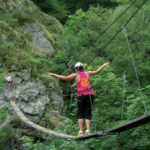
[70,77]
[91,73]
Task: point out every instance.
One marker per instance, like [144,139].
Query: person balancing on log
[85,96]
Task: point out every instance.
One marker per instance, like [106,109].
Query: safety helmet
[79,64]
[9,73]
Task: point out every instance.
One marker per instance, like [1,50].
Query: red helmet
[9,73]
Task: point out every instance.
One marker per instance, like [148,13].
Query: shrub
[6,134]
[3,113]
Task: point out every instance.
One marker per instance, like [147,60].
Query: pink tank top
[84,84]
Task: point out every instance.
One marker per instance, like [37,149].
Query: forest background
[83,22]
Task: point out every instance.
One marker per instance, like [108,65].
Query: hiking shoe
[87,132]
[80,133]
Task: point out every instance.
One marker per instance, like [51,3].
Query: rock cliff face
[32,97]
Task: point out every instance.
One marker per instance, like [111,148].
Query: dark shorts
[9,82]
[84,106]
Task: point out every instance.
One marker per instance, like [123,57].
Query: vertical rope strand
[90,101]
[142,28]
[123,96]
[125,31]
[70,104]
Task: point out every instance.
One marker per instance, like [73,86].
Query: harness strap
[86,90]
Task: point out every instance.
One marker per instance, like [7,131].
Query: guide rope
[142,28]
[107,28]
[147,23]
[123,95]
[125,31]
[117,32]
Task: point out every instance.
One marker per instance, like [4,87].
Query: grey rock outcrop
[19,5]
[2,37]
[39,38]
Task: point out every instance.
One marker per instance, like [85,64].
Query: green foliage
[16,120]
[3,113]
[2,9]
[128,1]
[2,81]
[6,134]
[60,58]
[82,30]
[62,8]
[57,8]
[72,30]
[28,144]
[60,63]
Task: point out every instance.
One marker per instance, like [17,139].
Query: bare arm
[91,73]
[70,77]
